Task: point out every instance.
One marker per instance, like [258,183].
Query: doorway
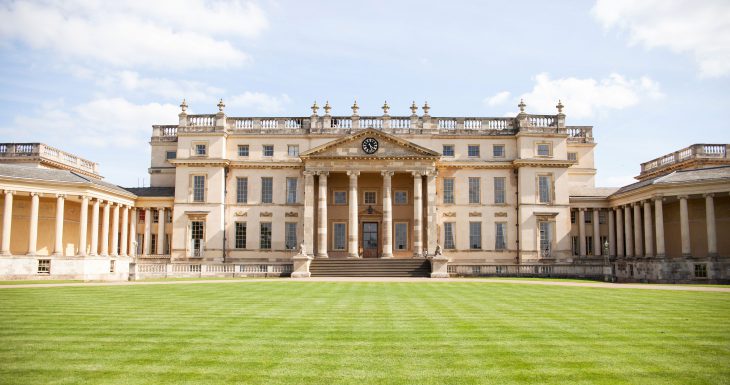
[370,239]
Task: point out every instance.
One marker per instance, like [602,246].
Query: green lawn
[466,332]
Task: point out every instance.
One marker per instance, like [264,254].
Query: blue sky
[91,77]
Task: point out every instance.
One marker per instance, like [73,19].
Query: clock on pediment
[370,145]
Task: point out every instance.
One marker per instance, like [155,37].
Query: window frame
[503,226]
[270,199]
[469,148]
[549,147]
[195,145]
[241,236]
[472,246]
[262,246]
[478,190]
[334,197]
[494,149]
[193,188]
[295,186]
[550,189]
[573,156]
[449,197]
[168,157]
[452,225]
[373,193]
[395,235]
[334,236]
[395,200]
[247,151]
[288,226]
[242,196]
[503,191]
[289,148]
[264,147]
[453,150]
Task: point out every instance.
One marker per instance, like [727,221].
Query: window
[401,236]
[589,216]
[291,191]
[339,236]
[473,150]
[369,197]
[546,238]
[167,244]
[168,216]
[292,150]
[602,217]
[201,150]
[401,197]
[604,245]
[265,236]
[449,235]
[543,182]
[500,236]
[340,197]
[474,190]
[290,233]
[576,245]
[241,235]
[155,216]
[241,190]
[573,156]
[448,190]
[141,214]
[498,151]
[170,155]
[572,216]
[543,149]
[700,270]
[267,189]
[243,150]
[589,245]
[499,189]
[44,266]
[153,243]
[475,235]
[268,150]
[198,188]
[112,266]
[448,150]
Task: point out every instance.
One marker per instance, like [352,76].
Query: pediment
[389,147]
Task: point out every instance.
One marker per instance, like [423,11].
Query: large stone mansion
[282,196]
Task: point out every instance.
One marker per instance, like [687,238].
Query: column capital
[6,192]
[417,174]
[82,197]
[387,173]
[682,197]
[708,195]
[309,173]
[659,198]
[581,209]
[61,196]
[35,193]
[431,173]
[353,173]
[322,173]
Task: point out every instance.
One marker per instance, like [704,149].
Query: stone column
[7,222]
[387,215]
[95,228]
[431,229]
[417,215]
[147,246]
[160,231]
[638,243]
[582,231]
[115,230]
[684,226]
[124,241]
[627,231]
[711,229]
[58,245]
[659,223]
[648,234]
[105,230]
[309,212]
[620,244]
[33,228]
[322,214]
[353,226]
[83,229]
[133,233]
[611,233]
[597,247]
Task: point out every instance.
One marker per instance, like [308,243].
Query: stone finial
[327,108]
[355,108]
[385,108]
[522,106]
[426,108]
[414,108]
[315,108]
[221,105]
[560,107]
[184,106]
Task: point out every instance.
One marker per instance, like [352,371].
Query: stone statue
[302,249]
[438,250]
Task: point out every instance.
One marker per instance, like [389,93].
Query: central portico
[369,187]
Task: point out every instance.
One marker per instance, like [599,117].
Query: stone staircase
[370,268]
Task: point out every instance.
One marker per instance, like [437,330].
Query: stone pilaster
[638,242]
[95,228]
[387,215]
[711,229]
[322,215]
[83,220]
[597,247]
[125,226]
[582,231]
[105,230]
[33,225]
[417,215]
[648,233]
[659,224]
[58,244]
[620,244]
[115,230]
[611,233]
[7,222]
[684,226]
[628,233]
[431,228]
[160,231]
[353,241]
[309,212]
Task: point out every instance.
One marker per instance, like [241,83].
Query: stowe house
[366,195]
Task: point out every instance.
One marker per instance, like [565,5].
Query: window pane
[572,156]
[475,235]
[500,241]
[291,190]
[268,150]
[198,188]
[544,185]
[196,238]
[267,186]
[339,236]
[498,151]
[265,237]
[401,236]
[499,189]
[200,149]
[340,197]
[473,150]
[401,198]
[243,150]
[449,235]
[543,149]
[240,235]
[545,238]
[448,150]
[293,150]
[448,190]
[242,190]
[291,235]
[369,198]
[474,191]
[171,155]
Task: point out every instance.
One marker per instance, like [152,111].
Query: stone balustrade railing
[695,151]
[594,271]
[43,151]
[144,270]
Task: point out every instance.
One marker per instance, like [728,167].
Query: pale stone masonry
[269,194]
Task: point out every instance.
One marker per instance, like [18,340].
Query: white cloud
[164,88]
[158,34]
[700,28]
[586,97]
[618,180]
[113,122]
[257,101]
[497,99]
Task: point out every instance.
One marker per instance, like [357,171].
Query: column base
[322,255]
[353,257]
[298,274]
[387,256]
[440,275]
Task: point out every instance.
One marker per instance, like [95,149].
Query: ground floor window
[604,245]
[265,235]
[700,270]
[153,244]
[500,236]
[576,245]
[449,235]
[338,240]
[241,235]
[401,236]
[44,266]
[589,245]
[112,266]
[196,238]
[290,230]
[475,235]
[546,238]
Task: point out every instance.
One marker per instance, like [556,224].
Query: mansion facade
[475,195]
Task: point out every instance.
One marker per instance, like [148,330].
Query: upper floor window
[340,197]
[369,197]
[544,188]
[602,217]
[474,190]
[201,149]
[500,236]
[544,149]
[170,155]
[292,150]
[267,189]
[475,235]
[291,190]
[498,151]
[401,197]
[268,150]
[473,151]
[290,235]
[449,235]
[448,190]
[241,190]
[448,150]
[198,188]
[589,216]
[573,156]
[243,150]
[499,189]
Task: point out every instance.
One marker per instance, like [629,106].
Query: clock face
[370,145]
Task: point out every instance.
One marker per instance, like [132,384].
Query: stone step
[370,268]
